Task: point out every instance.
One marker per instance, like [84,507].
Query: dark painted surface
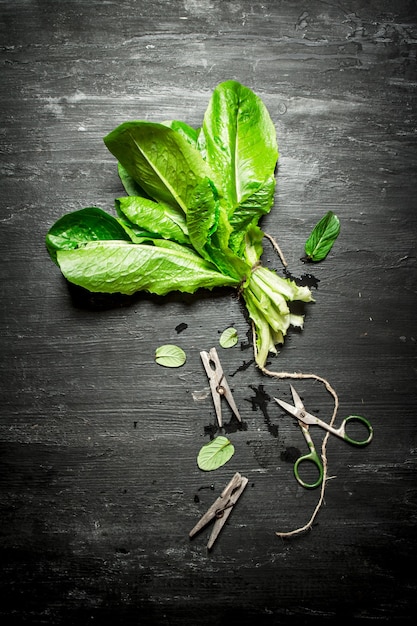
[99,482]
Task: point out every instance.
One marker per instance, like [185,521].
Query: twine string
[331,391]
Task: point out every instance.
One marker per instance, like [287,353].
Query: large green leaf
[79,227]
[136,234]
[210,231]
[120,267]
[249,212]
[203,215]
[238,140]
[190,134]
[160,160]
[156,217]
[131,187]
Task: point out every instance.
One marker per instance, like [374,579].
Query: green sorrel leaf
[131,187]
[137,234]
[155,217]
[215,454]
[120,267]
[209,230]
[228,338]
[160,160]
[322,238]
[249,212]
[190,134]
[79,227]
[238,140]
[170,356]
[203,215]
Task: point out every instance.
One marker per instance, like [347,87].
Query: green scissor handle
[311,457]
[355,442]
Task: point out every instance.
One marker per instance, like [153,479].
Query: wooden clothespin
[218,384]
[221,508]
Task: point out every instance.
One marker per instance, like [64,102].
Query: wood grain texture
[98,445]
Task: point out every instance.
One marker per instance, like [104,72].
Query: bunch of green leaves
[191,213]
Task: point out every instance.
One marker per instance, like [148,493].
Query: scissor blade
[297,400]
[301,414]
[292,410]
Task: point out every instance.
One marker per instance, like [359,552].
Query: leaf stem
[277,249]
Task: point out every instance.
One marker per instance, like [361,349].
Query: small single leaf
[215,454]
[170,356]
[228,338]
[322,238]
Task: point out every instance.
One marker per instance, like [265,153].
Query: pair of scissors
[305,420]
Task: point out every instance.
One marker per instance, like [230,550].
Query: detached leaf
[215,454]
[170,356]
[322,238]
[228,338]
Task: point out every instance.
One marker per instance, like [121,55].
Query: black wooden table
[98,444]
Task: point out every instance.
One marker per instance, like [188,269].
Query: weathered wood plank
[98,445]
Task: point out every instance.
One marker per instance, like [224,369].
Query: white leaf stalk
[266,296]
